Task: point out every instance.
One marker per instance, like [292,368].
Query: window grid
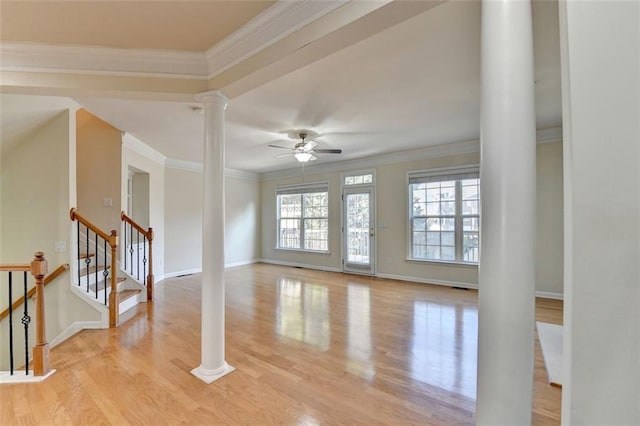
[303,222]
[358,179]
[445,220]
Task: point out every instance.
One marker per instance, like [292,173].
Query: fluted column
[508,188]
[213,364]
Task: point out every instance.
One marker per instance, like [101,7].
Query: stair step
[126,294]
[85,255]
[102,284]
[92,270]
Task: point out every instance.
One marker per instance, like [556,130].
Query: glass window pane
[289,233]
[419,238]
[433,209]
[316,234]
[448,253]
[433,224]
[433,238]
[368,178]
[433,194]
[433,252]
[471,224]
[470,207]
[448,208]
[448,224]
[448,238]
[419,224]
[470,192]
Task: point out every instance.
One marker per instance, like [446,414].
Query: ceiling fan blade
[282,147]
[328,151]
[309,146]
[283,155]
[313,158]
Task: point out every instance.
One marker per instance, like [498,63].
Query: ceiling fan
[305,150]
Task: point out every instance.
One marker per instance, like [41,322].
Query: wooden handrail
[73,213]
[49,278]
[15,267]
[149,235]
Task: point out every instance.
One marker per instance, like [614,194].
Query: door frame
[353,188]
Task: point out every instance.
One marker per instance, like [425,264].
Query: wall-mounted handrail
[112,240]
[147,260]
[38,269]
[49,278]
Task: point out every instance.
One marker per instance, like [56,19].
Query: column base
[210,376]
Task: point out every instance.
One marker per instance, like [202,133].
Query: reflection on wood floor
[309,347]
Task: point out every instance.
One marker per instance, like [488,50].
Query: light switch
[60,246]
[107,202]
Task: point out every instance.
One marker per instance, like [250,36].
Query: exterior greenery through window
[303,219]
[445,216]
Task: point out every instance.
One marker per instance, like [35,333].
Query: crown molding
[192,166]
[102,60]
[135,144]
[277,22]
[242,174]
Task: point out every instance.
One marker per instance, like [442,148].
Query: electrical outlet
[60,246]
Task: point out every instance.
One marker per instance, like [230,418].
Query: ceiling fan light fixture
[303,157]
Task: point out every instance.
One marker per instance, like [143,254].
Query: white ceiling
[413,85]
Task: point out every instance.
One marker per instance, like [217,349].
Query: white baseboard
[300,265]
[549,295]
[428,281]
[178,273]
[241,263]
[73,329]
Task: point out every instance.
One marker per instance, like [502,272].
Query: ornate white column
[508,188]
[213,365]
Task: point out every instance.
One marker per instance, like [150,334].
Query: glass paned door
[358,230]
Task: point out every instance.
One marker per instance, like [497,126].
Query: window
[359,179]
[303,218]
[444,215]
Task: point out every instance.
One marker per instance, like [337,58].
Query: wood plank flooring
[309,347]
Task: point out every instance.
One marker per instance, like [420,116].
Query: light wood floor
[309,347]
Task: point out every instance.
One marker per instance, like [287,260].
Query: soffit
[173,25]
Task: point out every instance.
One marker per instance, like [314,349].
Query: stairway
[92,284]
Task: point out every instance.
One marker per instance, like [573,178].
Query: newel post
[150,276]
[114,299]
[41,349]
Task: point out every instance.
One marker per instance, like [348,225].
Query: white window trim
[301,188]
[437,172]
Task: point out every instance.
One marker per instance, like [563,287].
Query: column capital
[213,97]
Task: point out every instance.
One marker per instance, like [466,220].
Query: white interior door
[358,236]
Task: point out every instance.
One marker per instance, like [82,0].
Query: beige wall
[242,220]
[391,221]
[98,151]
[183,206]
[140,199]
[36,181]
[133,159]
[183,220]
[549,229]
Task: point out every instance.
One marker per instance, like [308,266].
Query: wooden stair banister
[38,268]
[148,234]
[49,278]
[112,240]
